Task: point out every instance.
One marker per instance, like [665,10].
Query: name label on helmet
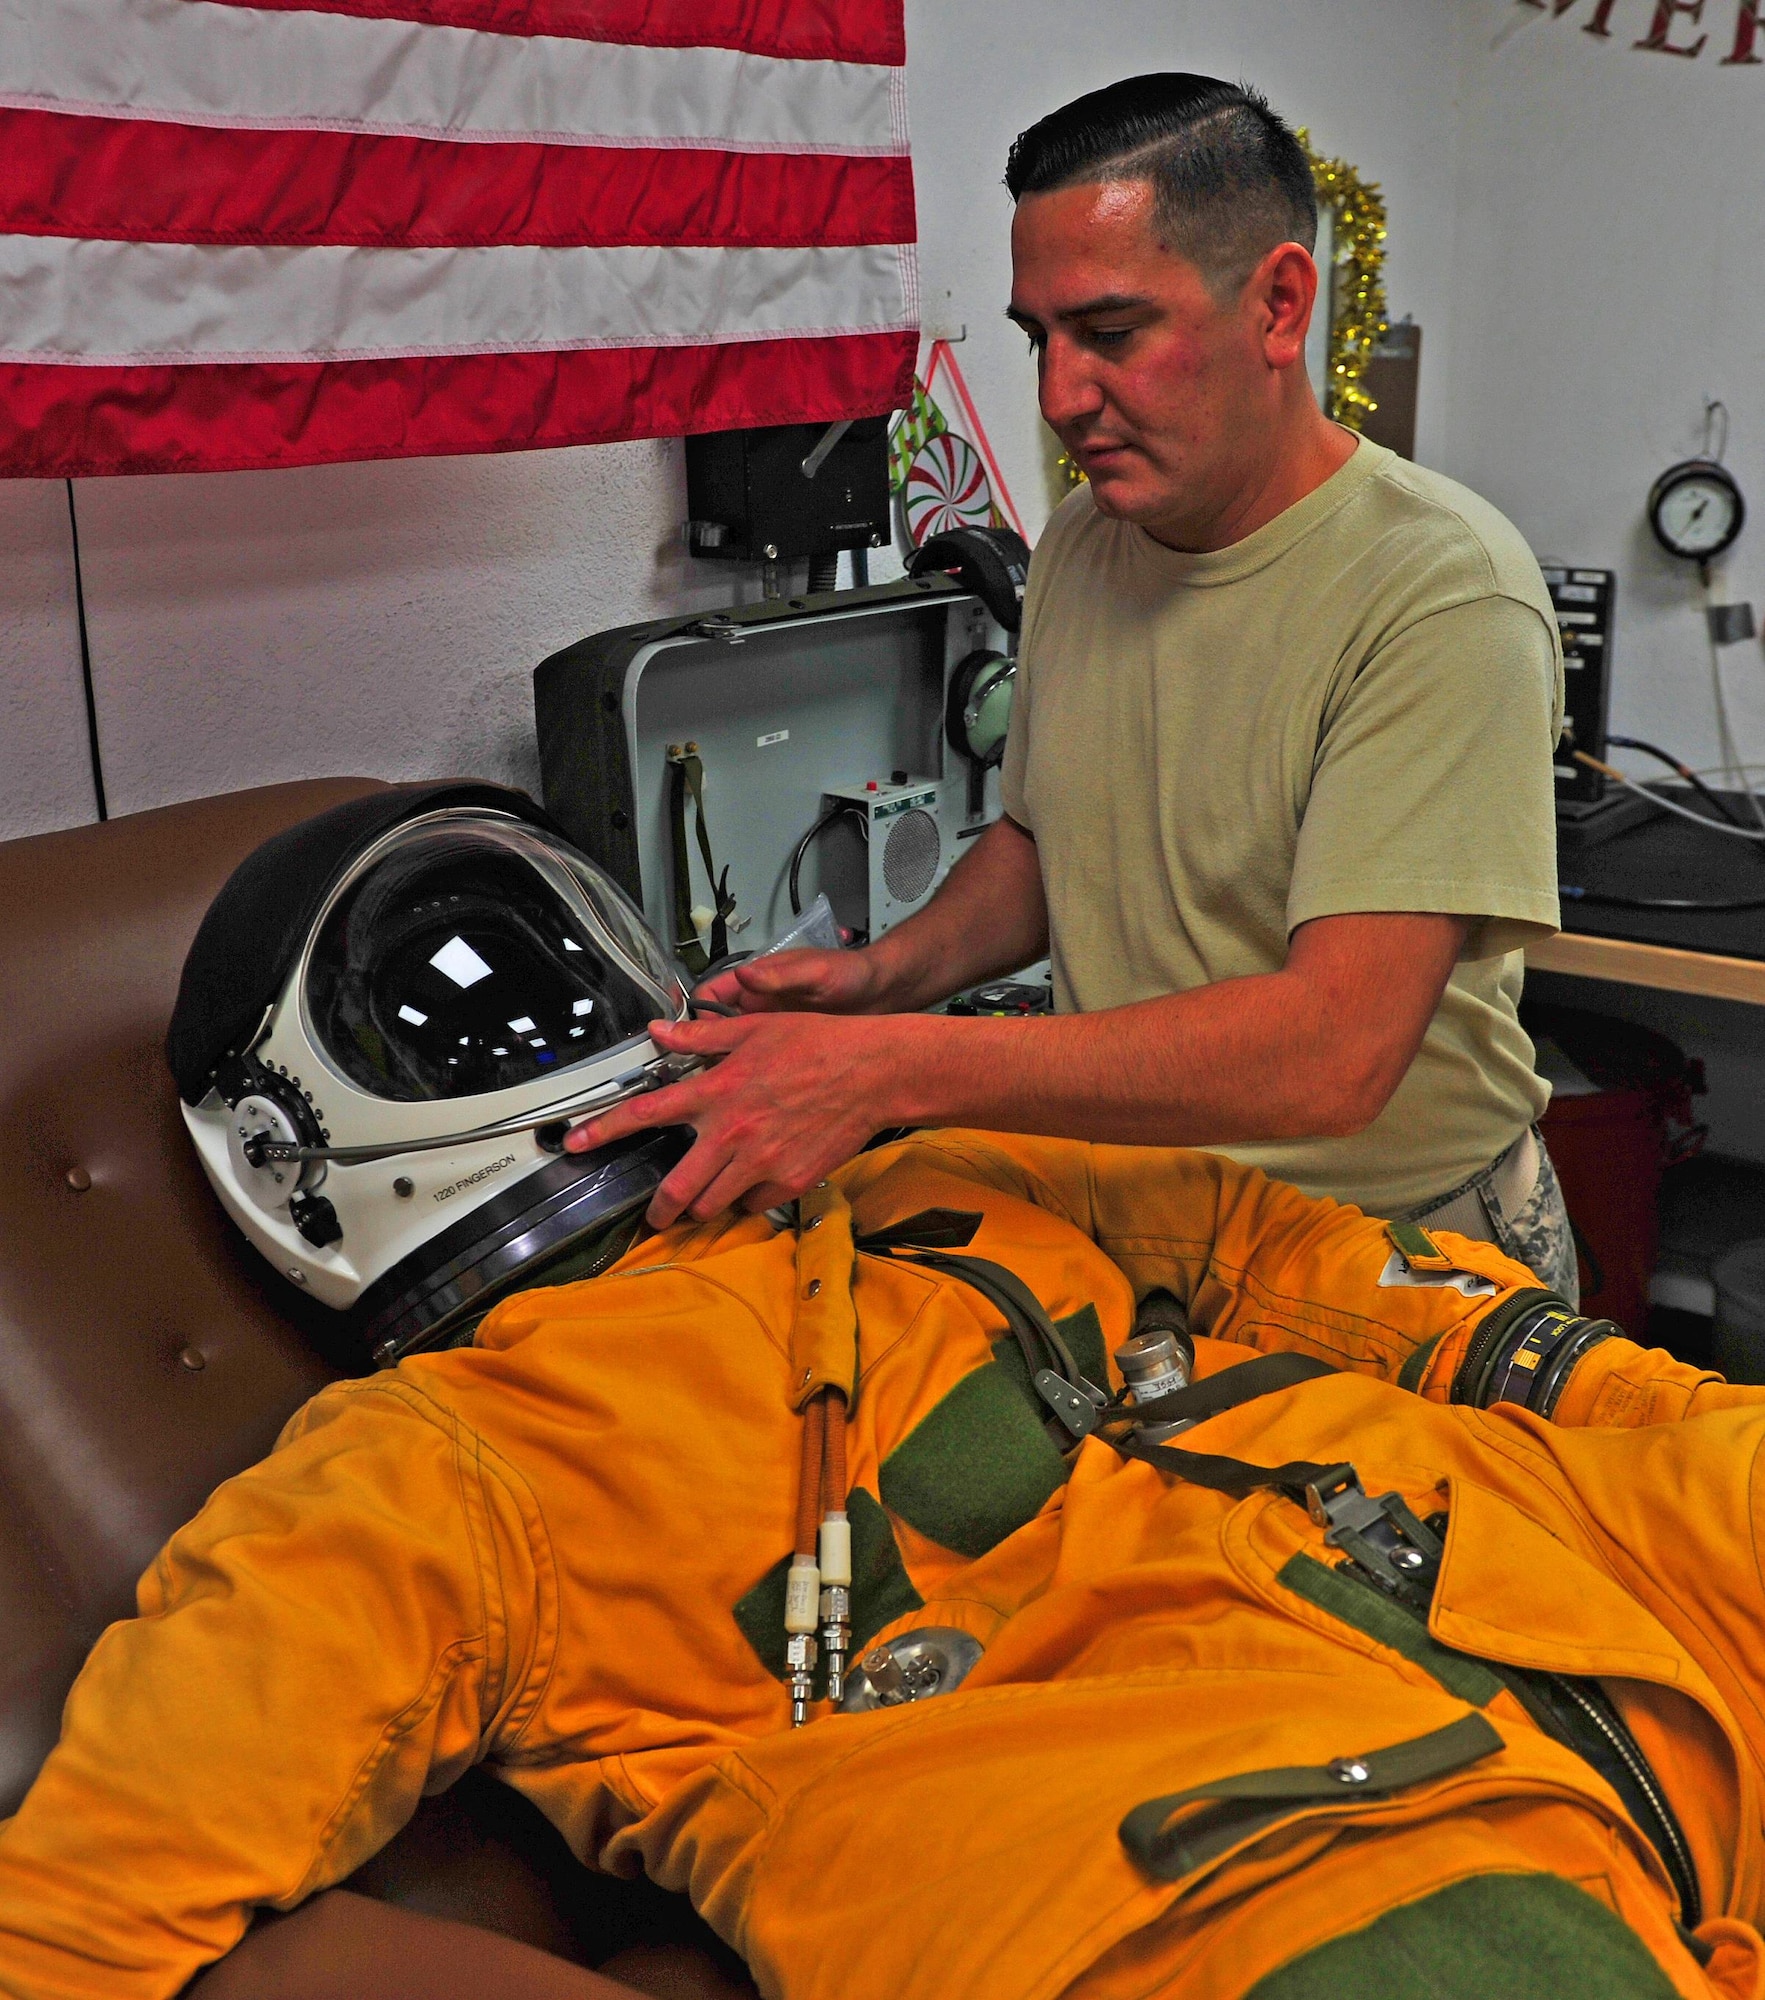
[472,1180]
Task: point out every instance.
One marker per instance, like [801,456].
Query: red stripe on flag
[862,31]
[66,422]
[142,181]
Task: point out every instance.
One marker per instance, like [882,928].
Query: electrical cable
[1576,894]
[1712,450]
[1668,805]
[802,848]
[92,747]
[1682,770]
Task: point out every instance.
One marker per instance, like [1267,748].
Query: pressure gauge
[1696,509]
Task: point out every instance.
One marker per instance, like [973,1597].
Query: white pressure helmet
[384,1021]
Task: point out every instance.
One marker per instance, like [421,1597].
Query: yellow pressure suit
[561,1550]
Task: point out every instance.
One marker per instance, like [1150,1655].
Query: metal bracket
[912,1666]
[824,445]
[1340,1503]
[1077,1406]
[721,626]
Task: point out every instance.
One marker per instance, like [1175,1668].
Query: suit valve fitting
[1154,1364]
[802,1601]
[799,1659]
[836,1638]
[836,1600]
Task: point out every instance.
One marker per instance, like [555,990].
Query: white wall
[45,768]
[385,618]
[1611,271]
[248,627]
[1373,80]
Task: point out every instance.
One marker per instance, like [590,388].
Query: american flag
[293,231]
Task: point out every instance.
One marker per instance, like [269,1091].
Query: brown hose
[833,1457]
[809,1485]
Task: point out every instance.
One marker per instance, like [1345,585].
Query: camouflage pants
[1532,1227]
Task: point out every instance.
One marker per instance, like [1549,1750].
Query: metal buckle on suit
[1401,1553]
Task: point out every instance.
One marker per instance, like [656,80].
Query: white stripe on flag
[105,303]
[188,62]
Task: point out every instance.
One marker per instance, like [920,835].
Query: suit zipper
[1415,1594]
[1672,1845]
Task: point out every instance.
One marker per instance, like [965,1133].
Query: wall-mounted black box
[750,500]
[1583,601]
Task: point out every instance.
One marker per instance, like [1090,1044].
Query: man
[1278,791]
[1362,1694]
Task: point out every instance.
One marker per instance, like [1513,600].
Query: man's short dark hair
[1229,178]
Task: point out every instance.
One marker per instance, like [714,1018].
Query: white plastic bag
[815,930]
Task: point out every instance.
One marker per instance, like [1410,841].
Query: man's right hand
[787,982]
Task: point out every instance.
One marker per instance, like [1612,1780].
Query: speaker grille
[910,856]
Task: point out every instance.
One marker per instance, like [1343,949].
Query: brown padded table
[142,1357]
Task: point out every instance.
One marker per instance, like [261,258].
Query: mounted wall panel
[45,767]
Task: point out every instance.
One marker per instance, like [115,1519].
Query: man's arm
[988,917]
[1315,1049]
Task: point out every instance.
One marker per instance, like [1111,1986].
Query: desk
[1633,964]
[1720,953]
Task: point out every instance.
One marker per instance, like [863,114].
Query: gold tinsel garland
[1358,289]
[1358,292]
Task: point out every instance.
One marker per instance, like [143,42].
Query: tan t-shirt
[1352,709]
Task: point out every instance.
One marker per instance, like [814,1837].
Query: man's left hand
[787,1098]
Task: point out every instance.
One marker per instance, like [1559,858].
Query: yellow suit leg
[341,1628]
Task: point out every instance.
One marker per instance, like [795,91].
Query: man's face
[1166,397]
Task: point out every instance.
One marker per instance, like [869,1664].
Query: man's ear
[1281,294]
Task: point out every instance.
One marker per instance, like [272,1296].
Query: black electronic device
[782,731]
[1005,997]
[788,491]
[1582,600]
[1670,882]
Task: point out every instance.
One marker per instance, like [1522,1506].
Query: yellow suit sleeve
[1619,1385]
[1252,1260]
[1256,1261]
[352,1622]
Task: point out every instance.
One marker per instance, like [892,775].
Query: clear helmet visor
[470,954]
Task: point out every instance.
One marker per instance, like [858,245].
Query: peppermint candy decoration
[946,488]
